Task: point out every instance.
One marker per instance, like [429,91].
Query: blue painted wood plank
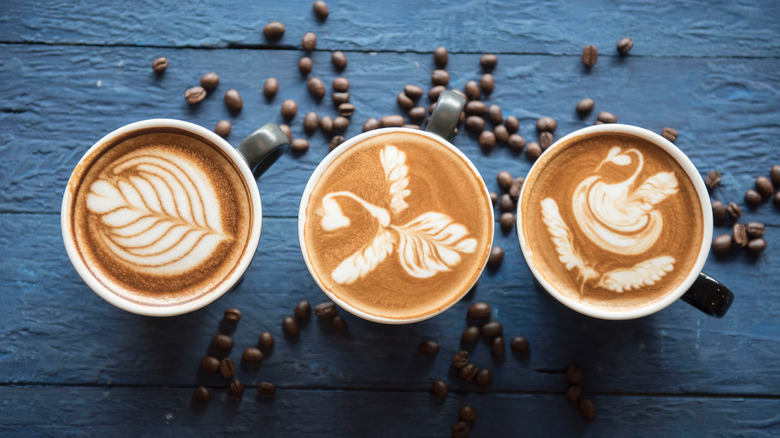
[691,28]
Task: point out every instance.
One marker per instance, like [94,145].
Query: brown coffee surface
[612,221]
[160,217]
[398,226]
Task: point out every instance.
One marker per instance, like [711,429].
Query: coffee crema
[160,217]
[398,226]
[611,220]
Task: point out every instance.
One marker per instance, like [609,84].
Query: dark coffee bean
[433,107]
[492,329]
[587,409]
[504,179]
[336,141]
[195,95]
[755,230]
[299,145]
[417,114]
[227,368]
[606,117]
[546,124]
[302,311]
[533,151]
[270,88]
[764,187]
[311,122]
[287,131]
[440,57]
[516,143]
[316,88]
[519,344]
[435,91]
[722,244]
[340,124]
[479,310]
[585,106]
[232,314]
[326,310]
[498,347]
[777,199]
[495,258]
[371,124]
[252,355]
[202,394]
[467,413]
[460,430]
[512,124]
[483,377]
[429,348]
[774,174]
[753,198]
[487,83]
[440,77]
[289,109]
[440,389]
[756,245]
[494,198]
[236,388]
[233,100]
[273,31]
[325,124]
[488,61]
[624,45]
[517,186]
[590,54]
[470,335]
[309,41]
[740,234]
[340,323]
[209,81]
[669,134]
[506,204]
[546,140]
[475,124]
[321,9]
[495,114]
[487,140]
[339,98]
[341,85]
[472,90]
[574,374]
[159,65]
[223,128]
[460,359]
[392,121]
[718,212]
[339,60]
[266,389]
[574,393]
[346,109]
[412,126]
[404,101]
[210,364]
[265,340]
[468,372]
[733,210]
[413,92]
[290,326]
[507,221]
[713,179]
[222,342]
[305,65]
[475,108]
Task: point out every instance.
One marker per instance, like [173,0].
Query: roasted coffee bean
[434,92]
[232,314]
[270,88]
[764,187]
[755,230]
[433,107]
[336,141]
[339,60]
[504,179]
[346,109]
[487,140]
[266,389]
[470,335]
[756,245]
[340,85]
[590,54]
[506,221]
[533,151]
[311,122]
[290,326]
[495,114]
[718,212]
[392,121]
[223,128]
[321,9]
[222,342]
[339,98]
[302,311]
[195,95]
[479,310]
[309,41]
[512,124]
[517,186]
[429,348]
[492,329]
[316,88]
[210,364]
[777,199]
[273,31]
[483,377]
[460,430]
[371,124]
[546,140]
[468,372]
[624,45]
[440,57]
[233,100]
[713,179]
[495,258]
[326,310]
[488,61]
[299,145]
[740,234]
[494,198]
[467,413]
[516,143]
[412,126]
[753,198]
[733,210]
[236,388]
[202,394]
[417,114]
[574,374]
[574,393]
[585,106]
[159,65]
[460,359]
[475,124]
[606,117]
[265,340]
[287,131]
[587,409]
[440,389]
[506,204]
[475,108]
[440,77]
[722,244]
[546,124]
[519,344]
[227,368]
[289,109]
[413,92]
[404,101]
[209,81]
[472,90]
[340,323]
[305,65]
[487,83]
[669,134]
[774,174]
[252,355]
[498,347]
[340,124]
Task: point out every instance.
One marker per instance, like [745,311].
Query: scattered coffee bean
[302,311]
[233,100]
[606,117]
[574,393]
[533,151]
[487,83]
[740,234]
[669,134]
[287,131]
[223,128]
[232,314]
[202,394]
[159,65]
[713,179]
[512,124]
[209,81]
[404,101]
[326,310]
[311,122]
[507,222]
[195,95]
[339,60]
[480,310]
[371,124]
[434,92]
[467,413]
[519,344]
[460,359]
[475,124]
[483,377]
[316,88]
[506,204]
[764,187]
[346,109]
[517,186]
[340,323]
[339,98]
[470,335]
[341,85]
[265,340]
[504,179]
[266,389]
[756,245]
[774,174]
[222,342]
[440,77]
[336,141]
[252,355]
[488,61]
[753,198]
[492,329]
[236,388]
[309,41]
[460,430]
[546,140]
[472,90]
[417,114]
[722,244]
[440,388]
[495,258]
[495,114]
[299,145]
[777,199]
[590,54]
[755,230]
[574,374]
[290,327]
[585,106]
[733,210]
[433,107]
[305,65]
[392,121]
[440,57]
[413,92]
[494,198]
[321,9]
[468,372]
[475,108]
[718,212]
[624,45]
[587,409]
[270,88]
[498,347]
[227,368]
[546,124]
[516,143]
[210,364]
[289,109]
[273,31]
[487,140]
[429,348]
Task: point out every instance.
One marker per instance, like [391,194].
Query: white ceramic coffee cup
[257,152]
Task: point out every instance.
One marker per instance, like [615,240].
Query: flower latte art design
[620,217]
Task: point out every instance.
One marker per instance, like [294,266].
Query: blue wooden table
[71,364]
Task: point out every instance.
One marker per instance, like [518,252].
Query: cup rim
[175,309]
[314,178]
[704,203]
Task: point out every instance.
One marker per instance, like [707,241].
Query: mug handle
[446,114]
[263,147]
[709,295]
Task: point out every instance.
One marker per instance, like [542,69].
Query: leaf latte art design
[157,215]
